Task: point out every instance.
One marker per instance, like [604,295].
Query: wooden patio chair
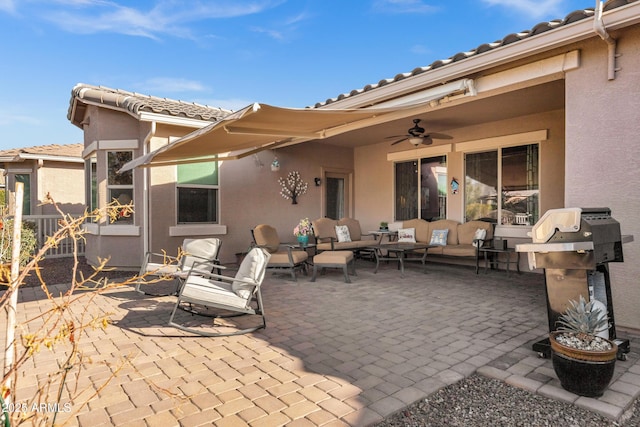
[158,267]
[225,296]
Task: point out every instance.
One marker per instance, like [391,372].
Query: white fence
[46,226]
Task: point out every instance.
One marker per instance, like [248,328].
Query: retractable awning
[260,127]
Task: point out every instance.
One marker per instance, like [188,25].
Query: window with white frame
[513,170]
[120,186]
[421,187]
[197,193]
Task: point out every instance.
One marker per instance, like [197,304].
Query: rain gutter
[601,30]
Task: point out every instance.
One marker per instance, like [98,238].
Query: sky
[229,53]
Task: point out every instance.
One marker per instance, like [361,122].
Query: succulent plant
[583,318]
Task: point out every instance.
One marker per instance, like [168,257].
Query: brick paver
[331,354]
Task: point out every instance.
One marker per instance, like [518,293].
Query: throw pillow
[439,237]
[407,235]
[481,234]
[342,231]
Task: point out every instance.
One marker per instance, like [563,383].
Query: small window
[91,183]
[25,178]
[120,186]
[421,187]
[197,193]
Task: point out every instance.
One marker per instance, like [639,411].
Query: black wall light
[318,181]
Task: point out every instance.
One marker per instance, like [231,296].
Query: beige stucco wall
[65,183]
[123,251]
[375,174]
[603,154]
[250,193]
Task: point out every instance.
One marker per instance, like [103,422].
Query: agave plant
[581,322]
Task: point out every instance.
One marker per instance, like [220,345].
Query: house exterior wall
[65,183]
[603,154]
[250,192]
[374,191]
[121,243]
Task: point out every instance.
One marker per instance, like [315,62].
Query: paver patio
[332,353]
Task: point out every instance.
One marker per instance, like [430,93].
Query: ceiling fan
[416,135]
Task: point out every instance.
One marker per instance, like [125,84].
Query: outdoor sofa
[451,238]
[344,234]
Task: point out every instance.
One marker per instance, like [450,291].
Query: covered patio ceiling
[469,111]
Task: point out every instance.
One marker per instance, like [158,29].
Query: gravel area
[59,270]
[481,401]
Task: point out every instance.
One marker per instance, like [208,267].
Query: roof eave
[572,33]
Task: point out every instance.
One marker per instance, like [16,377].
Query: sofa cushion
[407,235]
[459,250]
[342,232]
[354,227]
[421,226]
[449,224]
[439,237]
[467,231]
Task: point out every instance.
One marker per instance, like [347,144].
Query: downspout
[145,191]
[601,30]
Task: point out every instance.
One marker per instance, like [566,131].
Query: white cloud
[171,85]
[535,8]
[419,49]
[403,6]
[10,119]
[233,104]
[7,6]
[165,17]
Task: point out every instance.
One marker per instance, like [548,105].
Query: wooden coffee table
[397,251]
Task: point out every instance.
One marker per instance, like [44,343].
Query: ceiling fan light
[415,140]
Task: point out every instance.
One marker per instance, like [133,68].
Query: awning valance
[260,127]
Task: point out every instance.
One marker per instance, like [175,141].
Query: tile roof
[136,103]
[486,47]
[54,150]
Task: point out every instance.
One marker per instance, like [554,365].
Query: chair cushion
[199,251]
[324,229]
[210,292]
[161,269]
[266,237]
[252,268]
[342,231]
[439,237]
[281,258]
[333,257]
[407,235]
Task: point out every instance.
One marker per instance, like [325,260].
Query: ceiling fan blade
[439,136]
[396,136]
[400,140]
[426,140]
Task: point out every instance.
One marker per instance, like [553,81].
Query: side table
[492,256]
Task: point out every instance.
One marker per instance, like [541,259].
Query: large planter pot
[583,372]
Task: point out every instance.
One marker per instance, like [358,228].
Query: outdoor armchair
[225,296]
[161,267]
[284,257]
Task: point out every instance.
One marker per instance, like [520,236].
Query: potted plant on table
[583,361]
[302,231]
